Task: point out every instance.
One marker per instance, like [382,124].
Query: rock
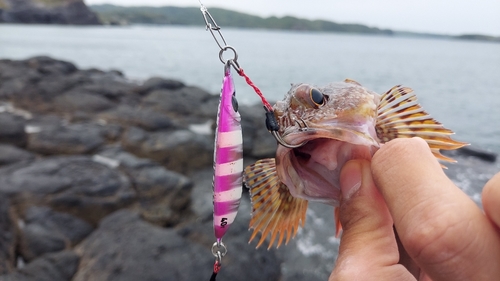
[12,130]
[48,12]
[157,83]
[71,184]
[48,231]
[50,267]
[185,102]
[8,239]
[264,144]
[110,85]
[75,100]
[37,240]
[72,139]
[47,65]
[266,265]
[42,85]
[10,154]
[14,76]
[140,117]
[163,196]
[257,141]
[181,150]
[126,248]
[474,152]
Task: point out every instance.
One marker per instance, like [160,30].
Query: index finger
[440,226]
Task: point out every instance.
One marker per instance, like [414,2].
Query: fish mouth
[312,171]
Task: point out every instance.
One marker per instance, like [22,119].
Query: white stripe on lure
[228,158]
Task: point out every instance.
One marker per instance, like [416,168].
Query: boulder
[184,103]
[8,239]
[476,152]
[42,85]
[141,117]
[181,150]
[71,139]
[59,266]
[126,248]
[78,100]
[47,231]
[265,264]
[157,83]
[71,184]
[10,154]
[12,130]
[257,141]
[163,196]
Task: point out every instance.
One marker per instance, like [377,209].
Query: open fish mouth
[317,163]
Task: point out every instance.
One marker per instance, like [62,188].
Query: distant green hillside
[192,16]
[478,37]
[111,14]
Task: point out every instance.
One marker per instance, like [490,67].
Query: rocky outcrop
[105,179]
[47,12]
[97,176]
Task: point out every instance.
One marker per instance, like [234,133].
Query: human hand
[441,233]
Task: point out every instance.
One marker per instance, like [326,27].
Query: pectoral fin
[400,116]
[275,211]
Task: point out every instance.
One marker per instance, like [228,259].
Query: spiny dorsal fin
[347,80]
[274,210]
[400,116]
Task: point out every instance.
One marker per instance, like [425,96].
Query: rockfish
[321,128]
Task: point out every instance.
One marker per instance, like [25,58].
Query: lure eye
[317,97]
[234,102]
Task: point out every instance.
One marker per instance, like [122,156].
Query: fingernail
[350,179]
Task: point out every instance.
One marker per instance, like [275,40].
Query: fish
[228,158]
[320,129]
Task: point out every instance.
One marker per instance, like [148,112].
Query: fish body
[228,158]
[325,127]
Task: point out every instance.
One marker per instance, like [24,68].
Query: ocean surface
[458,82]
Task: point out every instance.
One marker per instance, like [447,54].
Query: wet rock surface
[102,178]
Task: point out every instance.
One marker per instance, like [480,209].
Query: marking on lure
[229,168]
[226,139]
[223,222]
[228,195]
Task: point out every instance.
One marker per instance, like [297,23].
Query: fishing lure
[228,159]
[228,151]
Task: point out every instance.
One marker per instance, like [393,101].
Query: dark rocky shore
[47,12]
[105,179]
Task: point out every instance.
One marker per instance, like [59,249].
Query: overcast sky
[435,16]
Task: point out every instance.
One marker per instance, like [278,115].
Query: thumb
[368,248]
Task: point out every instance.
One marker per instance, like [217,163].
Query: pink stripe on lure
[228,158]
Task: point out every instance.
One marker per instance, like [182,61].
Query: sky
[433,16]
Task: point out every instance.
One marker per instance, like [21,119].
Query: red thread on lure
[256,89]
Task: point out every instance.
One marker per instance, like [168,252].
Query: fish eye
[317,97]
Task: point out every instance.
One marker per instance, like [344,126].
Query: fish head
[334,124]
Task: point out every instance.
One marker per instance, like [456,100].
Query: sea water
[458,82]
